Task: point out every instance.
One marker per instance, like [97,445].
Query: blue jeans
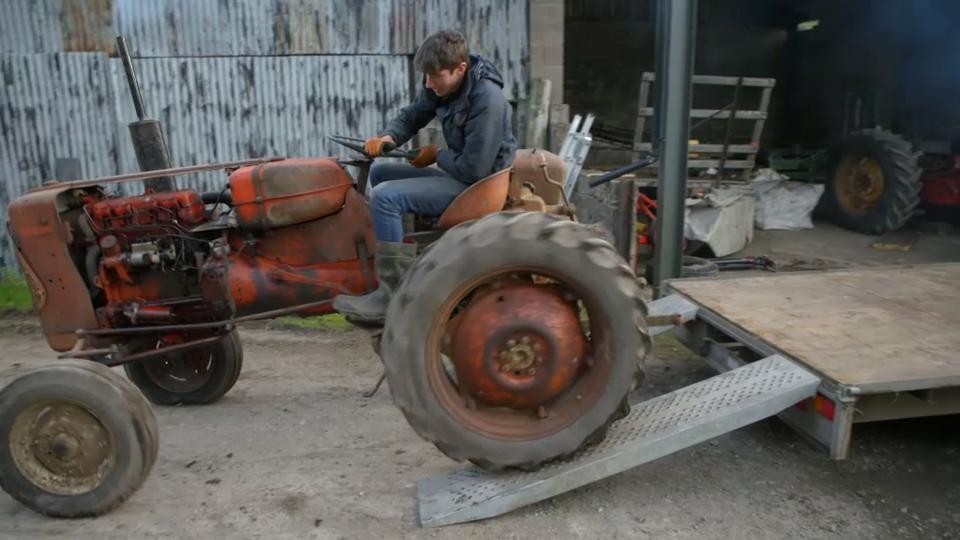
[400,188]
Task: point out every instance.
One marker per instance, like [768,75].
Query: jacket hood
[481,69]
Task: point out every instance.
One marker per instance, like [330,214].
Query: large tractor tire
[874,185]
[515,340]
[76,439]
[193,377]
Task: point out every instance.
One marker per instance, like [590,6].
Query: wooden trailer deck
[874,329]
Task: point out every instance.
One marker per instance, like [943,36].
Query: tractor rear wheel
[875,184]
[76,439]
[515,340]
[194,377]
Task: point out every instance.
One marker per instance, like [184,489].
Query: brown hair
[445,49]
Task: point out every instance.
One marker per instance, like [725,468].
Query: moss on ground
[14,294]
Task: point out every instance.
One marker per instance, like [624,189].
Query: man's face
[446,81]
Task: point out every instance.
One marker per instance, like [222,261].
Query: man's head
[443,58]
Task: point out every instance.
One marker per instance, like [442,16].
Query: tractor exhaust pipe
[146,133]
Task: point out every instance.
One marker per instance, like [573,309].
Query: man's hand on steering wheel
[377,146]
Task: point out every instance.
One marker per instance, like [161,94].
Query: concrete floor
[294,451]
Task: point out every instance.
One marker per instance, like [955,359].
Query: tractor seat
[483,197]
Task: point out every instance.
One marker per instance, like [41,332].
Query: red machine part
[184,207]
[520,345]
[942,187]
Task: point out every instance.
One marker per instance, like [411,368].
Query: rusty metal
[486,196]
[288,192]
[535,168]
[162,352]
[458,395]
[62,448]
[518,346]
[299,308]
[134,177]
[859,183]
[43,243]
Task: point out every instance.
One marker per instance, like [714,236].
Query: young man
[465,93]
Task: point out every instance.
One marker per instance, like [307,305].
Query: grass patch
[335,322]
[14,294]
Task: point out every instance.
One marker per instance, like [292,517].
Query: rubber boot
[392,260]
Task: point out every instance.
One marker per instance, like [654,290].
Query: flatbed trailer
[824,351]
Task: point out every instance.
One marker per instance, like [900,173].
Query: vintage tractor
[514,340]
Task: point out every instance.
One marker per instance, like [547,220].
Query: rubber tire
[228,362]
[901,174]
[477,248]
[115,402]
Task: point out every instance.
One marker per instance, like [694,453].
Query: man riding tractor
[465,93]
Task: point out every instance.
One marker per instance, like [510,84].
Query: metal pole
[677,20]
[131,77]
[146,133]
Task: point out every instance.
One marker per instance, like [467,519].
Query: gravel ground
[294,451]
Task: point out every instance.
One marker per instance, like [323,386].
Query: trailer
[823,351]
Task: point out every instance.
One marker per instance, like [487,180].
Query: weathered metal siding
[256,27]
[227,108]
[497,29]
[52,106]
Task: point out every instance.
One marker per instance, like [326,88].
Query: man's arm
[413,117]
[483,136]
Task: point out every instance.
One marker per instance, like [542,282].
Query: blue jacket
[476,124]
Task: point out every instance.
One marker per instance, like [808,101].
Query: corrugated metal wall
[261,105]
[229,80]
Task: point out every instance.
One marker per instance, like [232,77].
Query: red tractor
[514,340]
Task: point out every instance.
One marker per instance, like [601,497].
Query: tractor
[513,341]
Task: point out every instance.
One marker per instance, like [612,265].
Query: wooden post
[559,125]
[538,114]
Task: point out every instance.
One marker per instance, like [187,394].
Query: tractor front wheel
[515,340]
[76,439]
[193,377]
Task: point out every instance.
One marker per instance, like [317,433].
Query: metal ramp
[654,428]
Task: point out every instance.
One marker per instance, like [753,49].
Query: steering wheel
[356,144]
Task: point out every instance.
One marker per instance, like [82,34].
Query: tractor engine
[150,263]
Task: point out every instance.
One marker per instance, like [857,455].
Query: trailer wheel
[515,340]
[875,184]
[76,439]
[194,377]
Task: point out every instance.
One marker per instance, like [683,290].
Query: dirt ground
[295,451]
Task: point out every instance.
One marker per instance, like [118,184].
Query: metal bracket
[574,151]
[663,314]
[655,428]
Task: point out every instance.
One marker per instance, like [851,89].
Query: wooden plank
[719,80]
[704,113]
[890,329]
[641,119]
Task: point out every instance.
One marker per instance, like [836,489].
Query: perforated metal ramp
[653,429]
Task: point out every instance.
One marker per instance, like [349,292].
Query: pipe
[676,25]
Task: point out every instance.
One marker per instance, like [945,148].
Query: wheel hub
[62,448]
[519,346]
[859,183]
[181,372]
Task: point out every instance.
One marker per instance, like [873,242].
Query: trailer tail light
[824,406]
